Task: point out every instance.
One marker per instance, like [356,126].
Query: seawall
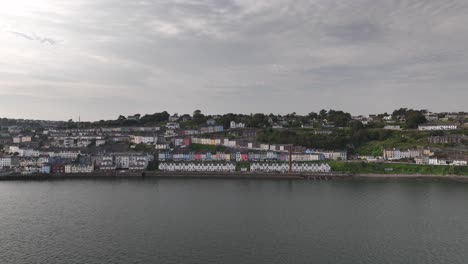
[180,175]
[235,175]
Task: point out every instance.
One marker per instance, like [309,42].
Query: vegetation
[392,139]
[340,118]
[413,118]
[153,165]
[257,120]
[242,165]
[354,137]
[144,148]
[155,118]
[304,138]
[357,139]
[396,168]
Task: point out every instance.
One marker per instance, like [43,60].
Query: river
[233,221]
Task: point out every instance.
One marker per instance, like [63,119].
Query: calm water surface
[233,221]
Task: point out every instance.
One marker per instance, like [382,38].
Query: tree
[340,118]
[356,126]
[258,120]
[226,119]
[313,115]
[156,118]
[414,119]
[197,112]
[121,118]
[323,114]
[186,116]
[198,117]
[153,165]
[399,112]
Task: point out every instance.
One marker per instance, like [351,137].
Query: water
[233,221]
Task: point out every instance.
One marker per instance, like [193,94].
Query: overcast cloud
[101,58]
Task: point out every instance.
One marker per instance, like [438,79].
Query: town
[405,141]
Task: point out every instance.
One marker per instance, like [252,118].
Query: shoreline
[235,175]
[374,176]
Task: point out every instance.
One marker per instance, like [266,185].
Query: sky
[101,58]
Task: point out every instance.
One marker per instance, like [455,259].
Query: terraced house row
[240,156]
[197,167]
[284,167]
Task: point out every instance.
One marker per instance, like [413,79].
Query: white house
[198,167]
[68,168]
[437,127]
[170,133]
[424,160]
[24,152]
[5,162]
[307,157]
[28,153]
[21,139]
[284,167]
[436,161]
[143,139]
[431,117]
[172,125]
[83,168]
[161,146]
[229,143]
[459,163]
[396,154]
[174,118]
[83,143]
[234,125]
[207,141]
[131,161]
[13,149]
[269,167]
[100,142]
[335,155]
[68,143]
[390,127]
[42,160]
[107,163]
[264,146]
[66,154]
[211,122]
[138,162]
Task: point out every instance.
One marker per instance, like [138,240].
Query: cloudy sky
[101,58]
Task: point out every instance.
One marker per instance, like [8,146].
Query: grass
[242,164]
[396,168]
[400,139]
